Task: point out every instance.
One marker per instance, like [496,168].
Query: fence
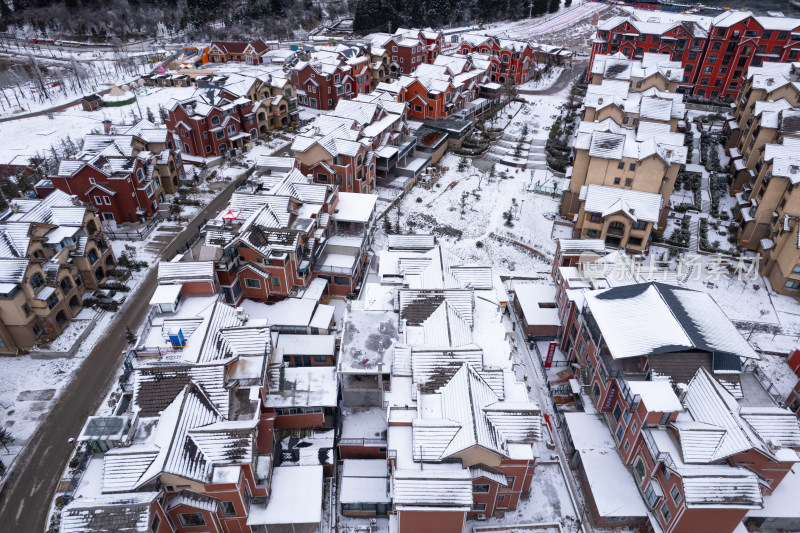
[135,235]
[77,474]
[552,191]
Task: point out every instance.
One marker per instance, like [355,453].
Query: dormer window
[215,120]
[140,175]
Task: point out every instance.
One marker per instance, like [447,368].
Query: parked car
[110,295]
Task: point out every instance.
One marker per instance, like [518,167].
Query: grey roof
[124,513]
[411,242]
[182,272]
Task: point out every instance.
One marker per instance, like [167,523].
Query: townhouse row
[627,153]
[699,443]
[714,53]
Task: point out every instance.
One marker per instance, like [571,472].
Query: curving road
[26,496]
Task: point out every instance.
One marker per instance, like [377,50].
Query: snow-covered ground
[38,135]
[545,82]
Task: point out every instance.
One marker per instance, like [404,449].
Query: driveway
[27,493]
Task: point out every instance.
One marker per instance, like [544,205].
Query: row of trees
[118,20]
[382,15]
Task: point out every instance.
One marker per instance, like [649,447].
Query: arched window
[37,282]
[215,120]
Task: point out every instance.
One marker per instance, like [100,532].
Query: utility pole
[530,10]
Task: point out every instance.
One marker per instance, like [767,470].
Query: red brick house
[212,124]
[715,54]
[321,84]
[432,40]
[517,59]
[406,52]
[251,52]
[122,186]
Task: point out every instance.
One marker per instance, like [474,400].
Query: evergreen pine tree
[553,5]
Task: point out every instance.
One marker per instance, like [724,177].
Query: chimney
[107,126]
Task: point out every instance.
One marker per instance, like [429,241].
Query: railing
[652,447]
[335,269]
[362,442]
[138,234]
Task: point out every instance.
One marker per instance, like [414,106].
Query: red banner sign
[551,352]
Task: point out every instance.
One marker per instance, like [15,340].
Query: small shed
[92,102]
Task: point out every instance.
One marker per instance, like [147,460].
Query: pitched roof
[652,318]
[124,513]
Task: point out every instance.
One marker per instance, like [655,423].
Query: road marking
[21,507]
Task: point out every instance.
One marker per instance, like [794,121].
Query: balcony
[657,455]
[619,232]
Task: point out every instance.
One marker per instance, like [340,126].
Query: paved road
[563,81]
[26,496]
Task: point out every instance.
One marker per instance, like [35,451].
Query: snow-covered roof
[719,427]
[531,296]
[636,205]
[472,414]
[296,498]
[184,272]
[355,207]
[166,294]
[413,242]
[190,440]
[613,488]
[656,395]
[364,481]
[289,345]
[367,342]
[315,386]
[450,488]
[652,318]
[124,513]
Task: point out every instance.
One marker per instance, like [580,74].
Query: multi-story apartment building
[52,251]
[686,480]
[768,82]
[768,215]
[715,52]
[251,52]
[124,176]
[627,153]
[764,137]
